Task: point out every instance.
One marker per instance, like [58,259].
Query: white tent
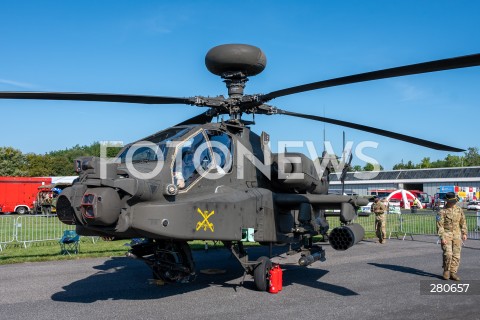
[64,179]
[405,198]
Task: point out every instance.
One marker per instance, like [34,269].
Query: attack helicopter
[204,180]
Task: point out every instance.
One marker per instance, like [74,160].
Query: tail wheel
[261,273]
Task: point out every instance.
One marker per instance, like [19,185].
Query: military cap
[451,197]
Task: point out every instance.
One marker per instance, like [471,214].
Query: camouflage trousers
[451,254]
[380,226]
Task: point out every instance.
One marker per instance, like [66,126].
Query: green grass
[50,250]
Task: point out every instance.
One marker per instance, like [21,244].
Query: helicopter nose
[100,206]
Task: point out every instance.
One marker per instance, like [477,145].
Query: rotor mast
[235,82]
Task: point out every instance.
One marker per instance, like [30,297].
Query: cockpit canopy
[153,148]
[188,152]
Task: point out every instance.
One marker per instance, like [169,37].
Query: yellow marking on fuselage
[205,223]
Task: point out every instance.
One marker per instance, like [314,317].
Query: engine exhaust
[342,238]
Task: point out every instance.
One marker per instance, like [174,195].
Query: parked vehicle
[423,197]
[439,200]
[381,193]
[392,207]
[465,194]
[17,194]
[46,200]
[474,205]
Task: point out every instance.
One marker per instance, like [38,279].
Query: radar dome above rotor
[232,58]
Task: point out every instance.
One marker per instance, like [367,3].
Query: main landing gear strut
[171,261]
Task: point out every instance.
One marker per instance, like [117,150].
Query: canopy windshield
[153,148]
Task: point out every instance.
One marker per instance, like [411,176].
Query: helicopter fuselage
[235,184]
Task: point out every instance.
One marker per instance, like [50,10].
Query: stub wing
[344,206]
[332,201]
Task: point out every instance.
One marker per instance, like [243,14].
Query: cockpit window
[153,148]
[193,158]
[222,148]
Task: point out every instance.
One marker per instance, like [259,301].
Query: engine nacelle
[295,172]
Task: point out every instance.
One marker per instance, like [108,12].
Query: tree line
[56,163]
[470,158]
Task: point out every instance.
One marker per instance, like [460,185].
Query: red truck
[17,194]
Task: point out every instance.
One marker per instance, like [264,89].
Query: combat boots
[446,275]
[454,276]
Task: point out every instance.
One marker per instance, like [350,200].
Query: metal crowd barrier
[29,229]
[39,228]
[426,224]
[7,231]
[406,224]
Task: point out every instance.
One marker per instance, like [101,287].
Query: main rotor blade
[425,67]
[100,97]
[385,133]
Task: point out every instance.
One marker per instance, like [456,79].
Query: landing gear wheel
[261,273]
[171,261]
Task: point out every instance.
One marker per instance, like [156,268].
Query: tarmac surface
[368,281]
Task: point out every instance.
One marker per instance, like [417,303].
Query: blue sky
[159,47]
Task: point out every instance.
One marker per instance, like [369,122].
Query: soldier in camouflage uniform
[378,208]
[452,229]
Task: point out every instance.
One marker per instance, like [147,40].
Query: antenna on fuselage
[346,165]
